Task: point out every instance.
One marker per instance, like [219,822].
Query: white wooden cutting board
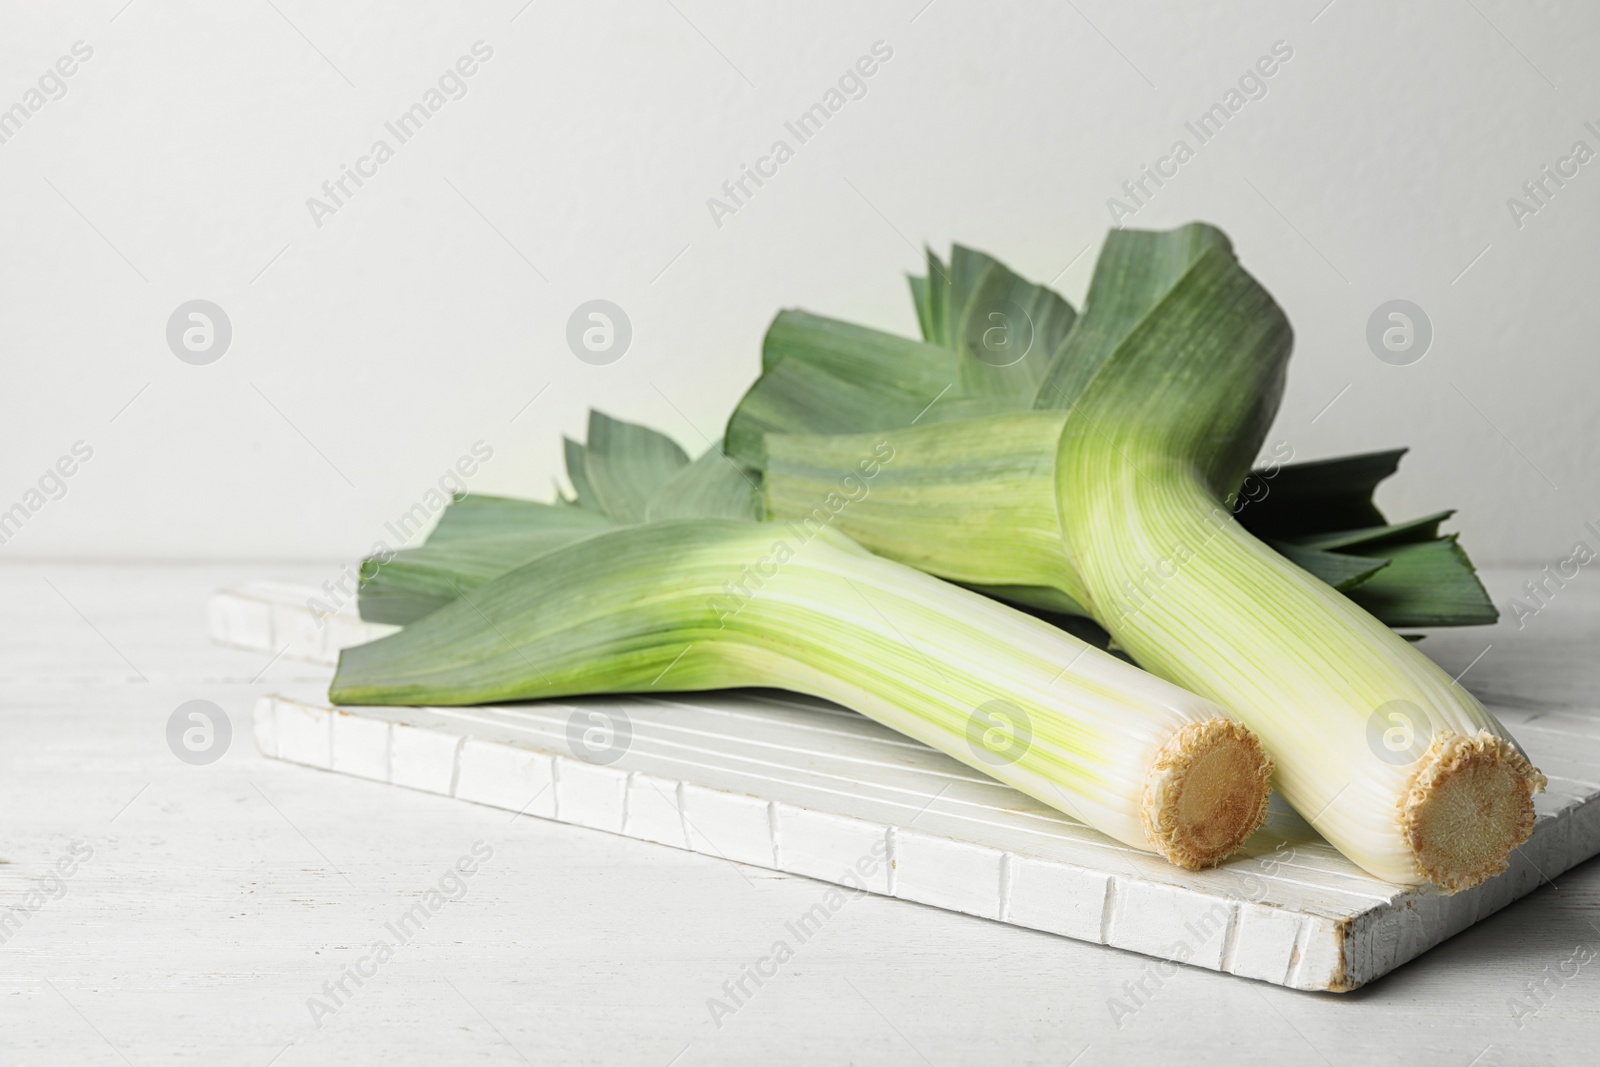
[810,788]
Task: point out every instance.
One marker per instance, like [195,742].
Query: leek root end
[1206,793]
[1469,806]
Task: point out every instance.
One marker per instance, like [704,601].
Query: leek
[711,603]
[642,475]
[1319,514]
[1095,462]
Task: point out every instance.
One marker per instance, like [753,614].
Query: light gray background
[425,315]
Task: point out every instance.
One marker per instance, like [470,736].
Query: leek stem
[709,604]
[1375,744]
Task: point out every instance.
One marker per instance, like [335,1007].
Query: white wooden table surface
[206,905]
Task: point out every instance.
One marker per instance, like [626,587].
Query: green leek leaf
[1425,528]
[419,580]
[1429,583]
[1004,328]
[625,464]
[713,487]
[1339,570]
[1136,272]
[473,516]
[826,376]
[1305,499]
[583,495]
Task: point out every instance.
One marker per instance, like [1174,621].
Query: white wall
[378,347]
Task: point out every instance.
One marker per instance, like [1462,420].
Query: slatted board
[803,786]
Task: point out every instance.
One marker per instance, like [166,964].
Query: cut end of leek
[1470,804]
[1206,793]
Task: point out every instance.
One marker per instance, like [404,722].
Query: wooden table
[210,909]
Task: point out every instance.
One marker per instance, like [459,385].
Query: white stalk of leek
[1114,497]
[1387,756]
[711,604]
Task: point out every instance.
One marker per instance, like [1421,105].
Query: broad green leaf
[1320,496]
[1430,583]
[481,537]
[577,473]
[626,464]
[932,310]
[1435,586]
[920,297]
[1006,328]
[972,501]
[1194,379]
[825,376]
[1136,271]
[476,516]
[989,336]
[477,537]
[1336,568]
[418,581]
[580,619]
[713,487]
[1377,537]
